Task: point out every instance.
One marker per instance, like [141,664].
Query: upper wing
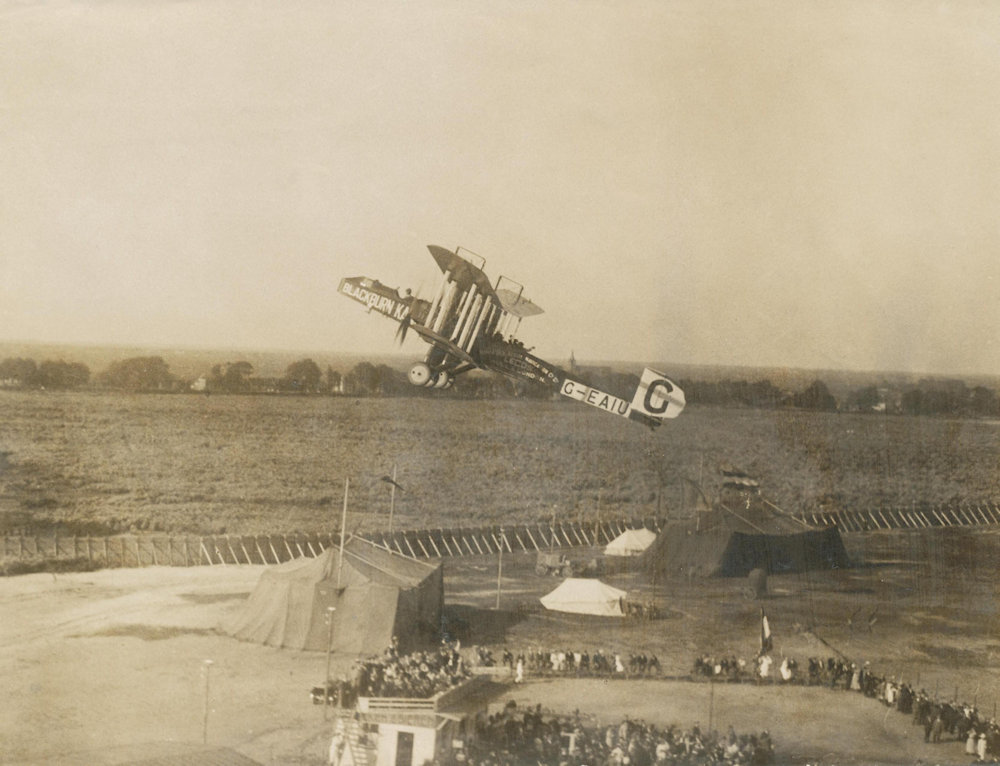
[461,270]
[513,303]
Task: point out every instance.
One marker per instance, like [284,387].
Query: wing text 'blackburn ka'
[472,323]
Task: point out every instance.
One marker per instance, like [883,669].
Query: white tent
[631,542]
[583,596]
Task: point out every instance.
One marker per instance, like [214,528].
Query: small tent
[631,542]
[584,596]
[376,595]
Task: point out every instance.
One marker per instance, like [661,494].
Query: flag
[738,479]
[694,496]
[765,634]
[389,480]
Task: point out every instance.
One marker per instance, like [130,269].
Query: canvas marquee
[631,542]
[376,595]
[731,541]
[584,596]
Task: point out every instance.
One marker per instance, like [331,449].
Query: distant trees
[18,372]
[302,377]
[25,373]
[231,377]
[367,379]
[864,399]
[757,394]
[141,373]
[949,397]
[816,396]
[929,396]
[60,374]
[983,401]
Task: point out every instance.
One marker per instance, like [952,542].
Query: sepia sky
[802,184]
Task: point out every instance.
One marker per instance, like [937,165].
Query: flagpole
[343,533]
[500,567]
[392,496]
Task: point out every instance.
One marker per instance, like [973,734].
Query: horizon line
[397,353]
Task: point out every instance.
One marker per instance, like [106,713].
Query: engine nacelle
[420,375]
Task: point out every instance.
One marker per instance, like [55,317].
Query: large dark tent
[742,531]
[376,594]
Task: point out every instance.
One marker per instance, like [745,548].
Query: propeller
[404,325]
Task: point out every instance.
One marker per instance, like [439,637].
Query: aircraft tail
[657,397]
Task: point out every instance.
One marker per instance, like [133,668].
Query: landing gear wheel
[419,374]
[442,380]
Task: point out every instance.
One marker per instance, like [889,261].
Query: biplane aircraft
[472,323]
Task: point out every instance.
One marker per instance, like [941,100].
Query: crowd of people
[568,662]
[939,719]
[516,737]
[420,674]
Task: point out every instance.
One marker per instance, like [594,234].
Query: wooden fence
[914,517]
[169,550]
[225,550]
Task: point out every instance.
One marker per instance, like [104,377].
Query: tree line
[929,396]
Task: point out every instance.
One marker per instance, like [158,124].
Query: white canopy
[583,596]
[631,542]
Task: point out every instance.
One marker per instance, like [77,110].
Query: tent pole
[329,648]
[343,528]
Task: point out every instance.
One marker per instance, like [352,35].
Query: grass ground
[256,464]
[93,660]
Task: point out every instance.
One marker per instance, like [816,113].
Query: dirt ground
[95,663]
[101,660]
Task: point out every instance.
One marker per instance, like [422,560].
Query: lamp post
[204,725]
[329,649]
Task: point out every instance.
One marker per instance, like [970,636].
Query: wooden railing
[225,550]
[913,517]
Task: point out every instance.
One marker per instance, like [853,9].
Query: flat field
[254,464]
[98,663]
[108,667]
